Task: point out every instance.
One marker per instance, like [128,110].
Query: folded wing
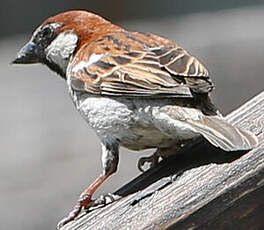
[136,64]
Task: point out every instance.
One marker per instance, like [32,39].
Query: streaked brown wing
[136,64]
[182,65]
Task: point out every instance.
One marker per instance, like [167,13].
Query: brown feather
[147,62]
[223,135]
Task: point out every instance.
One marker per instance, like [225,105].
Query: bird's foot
[153,160]
[104,200]
[84,202]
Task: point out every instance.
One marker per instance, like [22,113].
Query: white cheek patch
[61,49]
[81,65]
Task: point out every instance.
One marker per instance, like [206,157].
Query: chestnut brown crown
[86,25]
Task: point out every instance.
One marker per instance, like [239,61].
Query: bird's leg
[110,162]
[159,153]
[83,202]
[153,160]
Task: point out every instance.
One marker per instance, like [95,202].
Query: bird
[135,90]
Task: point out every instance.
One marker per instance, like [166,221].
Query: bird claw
[104,200]
[85,202]
[72,215]
[153,160]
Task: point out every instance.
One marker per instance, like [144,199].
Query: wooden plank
[203,188]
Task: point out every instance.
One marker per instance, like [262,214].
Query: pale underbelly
[146,138]
[135,124]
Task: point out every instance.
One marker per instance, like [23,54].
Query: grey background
[48,153]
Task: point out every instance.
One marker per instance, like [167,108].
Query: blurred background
[48,153]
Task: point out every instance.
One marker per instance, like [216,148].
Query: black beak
[27,55]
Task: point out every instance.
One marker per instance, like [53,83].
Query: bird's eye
[46,32]
[44,36]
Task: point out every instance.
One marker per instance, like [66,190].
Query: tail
[223,135]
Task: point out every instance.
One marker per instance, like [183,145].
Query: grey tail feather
[223,135]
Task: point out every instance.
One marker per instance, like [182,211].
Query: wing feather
[137,64]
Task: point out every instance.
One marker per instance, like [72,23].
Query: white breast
[61,49]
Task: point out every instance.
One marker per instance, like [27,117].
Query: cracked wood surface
[203,188]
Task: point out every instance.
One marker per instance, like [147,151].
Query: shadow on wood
[192,156]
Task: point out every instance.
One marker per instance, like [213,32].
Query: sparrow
[136,90]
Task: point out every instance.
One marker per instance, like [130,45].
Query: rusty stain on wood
[203,188]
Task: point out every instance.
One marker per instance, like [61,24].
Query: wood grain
[203,188]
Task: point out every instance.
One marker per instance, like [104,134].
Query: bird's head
[56,40]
